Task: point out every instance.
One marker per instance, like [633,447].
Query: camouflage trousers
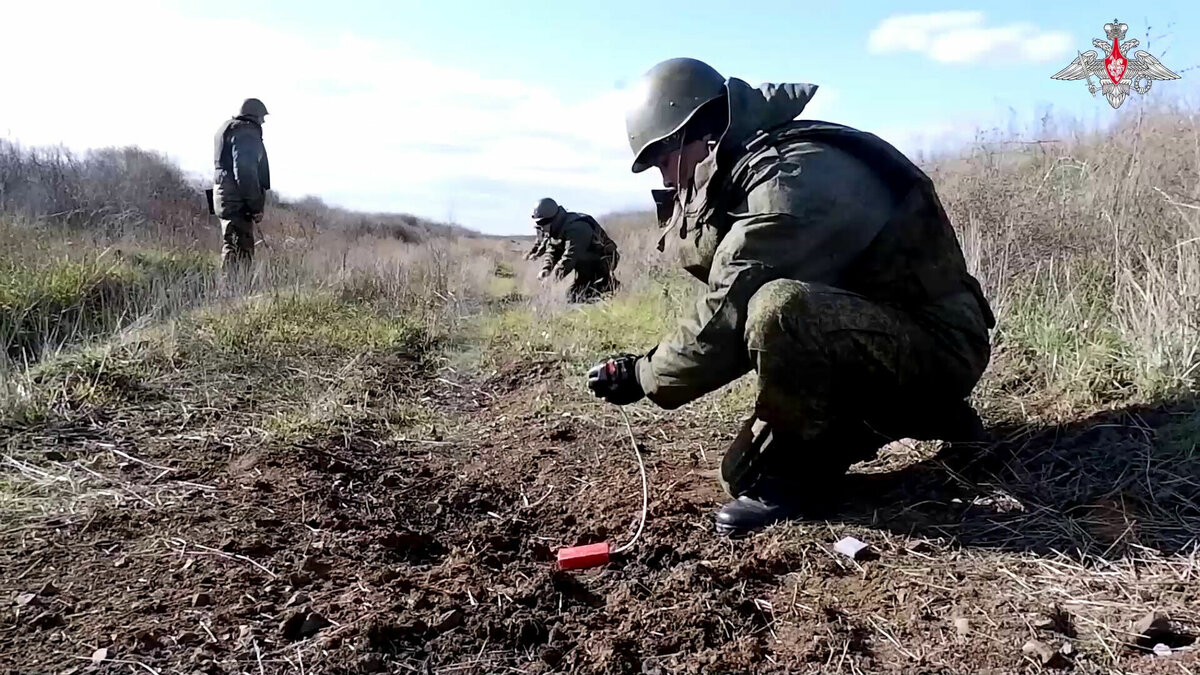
[237,247]
[839,377]
[594,280]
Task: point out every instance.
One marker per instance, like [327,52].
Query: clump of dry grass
[1089,246]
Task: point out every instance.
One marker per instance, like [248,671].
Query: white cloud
[351,119]
[964,37]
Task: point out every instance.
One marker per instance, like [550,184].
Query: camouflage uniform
[242,175]
[539,244]
[831,270]
[575,242]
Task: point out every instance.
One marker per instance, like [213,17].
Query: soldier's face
[678,165]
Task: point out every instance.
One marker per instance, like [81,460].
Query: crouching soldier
[830,269]
[576,244]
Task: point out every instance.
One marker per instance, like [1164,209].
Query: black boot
[772,499]
[773,476]
[751,512]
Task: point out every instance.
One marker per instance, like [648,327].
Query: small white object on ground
[1162,650]
[850,547]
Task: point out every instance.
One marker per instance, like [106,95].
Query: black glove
[615,380]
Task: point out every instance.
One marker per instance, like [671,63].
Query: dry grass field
[364,459]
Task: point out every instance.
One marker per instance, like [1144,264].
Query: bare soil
[431,550]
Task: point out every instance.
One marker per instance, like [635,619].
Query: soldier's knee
[776,304]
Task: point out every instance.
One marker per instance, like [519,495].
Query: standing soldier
[241,179]
[575,242]
[830,268]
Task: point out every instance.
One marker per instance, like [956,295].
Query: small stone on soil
[201,600]
[963,626]
[26,599]
[1161,650]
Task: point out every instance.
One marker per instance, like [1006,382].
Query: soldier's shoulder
[801,147]
[577,218]
[245,129]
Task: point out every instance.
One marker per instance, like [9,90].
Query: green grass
[1070,336]
[629,322]
[303,323]
[1072,347]
[295,362]
[49,302]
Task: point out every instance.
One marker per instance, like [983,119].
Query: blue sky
[471,111]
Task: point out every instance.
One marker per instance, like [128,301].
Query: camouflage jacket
[809,201]
[241,172]
[573,240]
[539,245]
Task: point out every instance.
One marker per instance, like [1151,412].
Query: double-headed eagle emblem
[1117,73]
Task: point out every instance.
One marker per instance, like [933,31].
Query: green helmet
[252,107]
[667,97]
[545,209]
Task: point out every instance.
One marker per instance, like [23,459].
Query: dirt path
[365,550]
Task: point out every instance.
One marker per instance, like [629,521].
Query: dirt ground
[367,550]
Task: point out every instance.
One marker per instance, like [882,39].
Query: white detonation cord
[645,489]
